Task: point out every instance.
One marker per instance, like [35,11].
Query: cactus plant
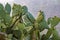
[23,26]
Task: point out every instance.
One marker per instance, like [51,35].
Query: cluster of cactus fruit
[23,26]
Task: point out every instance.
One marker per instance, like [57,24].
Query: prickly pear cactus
[23,26]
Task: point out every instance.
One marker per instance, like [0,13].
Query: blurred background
[50,7]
